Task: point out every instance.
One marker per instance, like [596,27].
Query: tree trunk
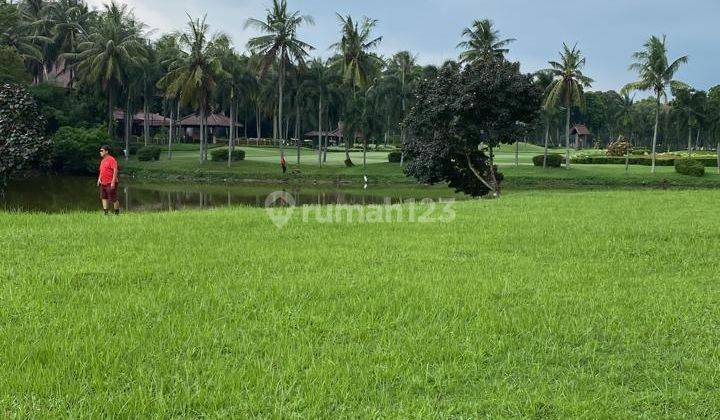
[171,132]
[179,128]
[567,137]
[231,136]
[258,128]
[146,123]
[655,131]
[718,158]
[128,126]
[365,152]
[202,117]
[689,140]
[281,82]
[517,153]
[320,131]
[545,153]
[297,126]
[110,115]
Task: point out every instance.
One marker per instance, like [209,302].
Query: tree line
[274,87]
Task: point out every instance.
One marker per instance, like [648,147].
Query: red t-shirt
[107,168]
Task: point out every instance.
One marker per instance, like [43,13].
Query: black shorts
[108,193]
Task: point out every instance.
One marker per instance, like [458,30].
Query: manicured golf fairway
[552,304]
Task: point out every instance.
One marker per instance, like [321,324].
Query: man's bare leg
[116,206]
[105,205]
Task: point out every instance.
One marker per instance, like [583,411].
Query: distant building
[581,133]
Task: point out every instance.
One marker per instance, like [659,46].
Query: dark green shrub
[221,154]
[146,154]
[689,167]
[553,160]
[76,150]
[394,156]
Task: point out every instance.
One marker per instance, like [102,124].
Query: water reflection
[64,193]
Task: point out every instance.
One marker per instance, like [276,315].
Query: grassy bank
[595,304]
[260,166]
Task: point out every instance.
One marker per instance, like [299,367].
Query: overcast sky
[607,31]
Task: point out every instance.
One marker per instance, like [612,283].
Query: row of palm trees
[367,95]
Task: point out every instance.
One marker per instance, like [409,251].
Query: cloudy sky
[607,31]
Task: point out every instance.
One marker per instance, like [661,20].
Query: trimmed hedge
[221,155]
[394,156]
[638,160]
[691,167]
[553,160]
[146,154]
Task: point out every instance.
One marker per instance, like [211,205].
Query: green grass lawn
[553,304]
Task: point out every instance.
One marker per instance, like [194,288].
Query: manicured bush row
[221,154]
[637,160]
[394,156]
[148,153]
[553,160]
[691,167]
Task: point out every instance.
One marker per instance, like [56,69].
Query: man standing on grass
[108,181]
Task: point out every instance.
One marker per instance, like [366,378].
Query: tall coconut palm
[356,60]
[483,42]
[15,32]
[194,75]
[689,106]
[656,74]
[544,79]
[168,50]
[72,20]
[567,87]
[108,53]
[403,65]
[280,45]
[319,83]
[37,20]
[626,115]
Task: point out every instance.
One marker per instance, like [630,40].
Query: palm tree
[194,75]
[689,104]
[355,60]
[280,45]
[107,55]
[544,79]
[656,74]
[319,83]
[626,114]
[483,42]
[72,22]
[567,86]
[403,64]
[36,18]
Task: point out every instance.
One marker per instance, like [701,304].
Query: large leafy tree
[280,45]
[656,73]
[356,62]
[108,54]
[567,87]
[483,42]
[22,132]
[194,75]
[461,116]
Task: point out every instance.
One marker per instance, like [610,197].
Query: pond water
[68,193]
